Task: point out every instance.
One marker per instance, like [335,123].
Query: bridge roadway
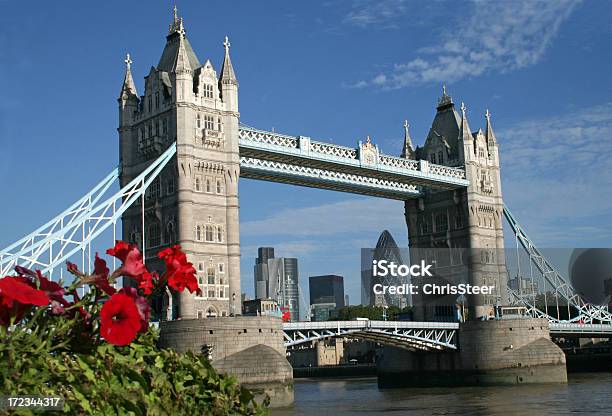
[413,335]
[298,160]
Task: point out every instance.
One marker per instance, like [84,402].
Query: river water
[586,394]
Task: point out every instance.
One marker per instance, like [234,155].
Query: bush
[98,353]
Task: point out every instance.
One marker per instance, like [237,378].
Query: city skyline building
[277,278]
[328,288]
[386,249]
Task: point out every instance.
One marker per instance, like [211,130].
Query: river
[586,393]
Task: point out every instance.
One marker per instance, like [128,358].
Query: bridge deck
[301,161]
[413,335]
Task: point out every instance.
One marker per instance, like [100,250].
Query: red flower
[119,319]
[146,282]
[180,274]
[144,309]
[100,276]
[74,269]
[16,298]
[52,289]
[131,258]
[133,265]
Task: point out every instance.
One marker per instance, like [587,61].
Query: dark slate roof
[168,58]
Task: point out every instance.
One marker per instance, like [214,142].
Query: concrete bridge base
[249,348]
[501,352]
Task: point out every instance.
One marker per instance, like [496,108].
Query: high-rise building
[386,249]
[328,288]
[278,279]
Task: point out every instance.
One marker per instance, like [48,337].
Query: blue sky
[333,71]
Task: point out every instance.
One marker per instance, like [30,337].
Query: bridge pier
[500,352]
[249,348]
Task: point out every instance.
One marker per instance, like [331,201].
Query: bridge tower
[194,202]
[461,231]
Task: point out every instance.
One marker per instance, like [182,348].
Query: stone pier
[249,348]
[500,352]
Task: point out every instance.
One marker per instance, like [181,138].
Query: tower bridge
[182,152]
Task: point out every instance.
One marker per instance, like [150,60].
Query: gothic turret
[128,89]
[228,84]
[128,97]
[408,149]
[465,139]
[491,140]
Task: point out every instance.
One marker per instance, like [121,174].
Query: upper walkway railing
[364,161]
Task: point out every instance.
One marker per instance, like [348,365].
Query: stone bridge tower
[460,232]
[194,201]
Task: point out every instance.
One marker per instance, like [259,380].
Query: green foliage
[53,355]
[374,313]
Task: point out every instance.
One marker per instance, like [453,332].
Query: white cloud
[493,36]
[556,172]
[350,216]
[366,13]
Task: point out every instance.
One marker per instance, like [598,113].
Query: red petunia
[144,309]
[52,289]
[146,282]
[131,258]
[119,319]
[16,298]
[100,276]
[133,265]
[180,274]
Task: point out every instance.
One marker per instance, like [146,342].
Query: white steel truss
[409,335]
[74,229]
[587,312]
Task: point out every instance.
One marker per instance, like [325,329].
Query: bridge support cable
[587,313]
[52,244]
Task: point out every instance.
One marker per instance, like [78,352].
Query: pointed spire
[228,76]
[182,64]
[464,133]
[445,100]
[177,54]
[491,139]
[177,23]
[128,88]
[408,150]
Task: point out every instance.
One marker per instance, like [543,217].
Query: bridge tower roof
[178,51]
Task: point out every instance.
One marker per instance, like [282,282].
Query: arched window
[198,233]
[170,234]
[154,237]
[219,186]
[210,275]
[198,184]
[211,312]
[209,233]
[208,185]
[220,234]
